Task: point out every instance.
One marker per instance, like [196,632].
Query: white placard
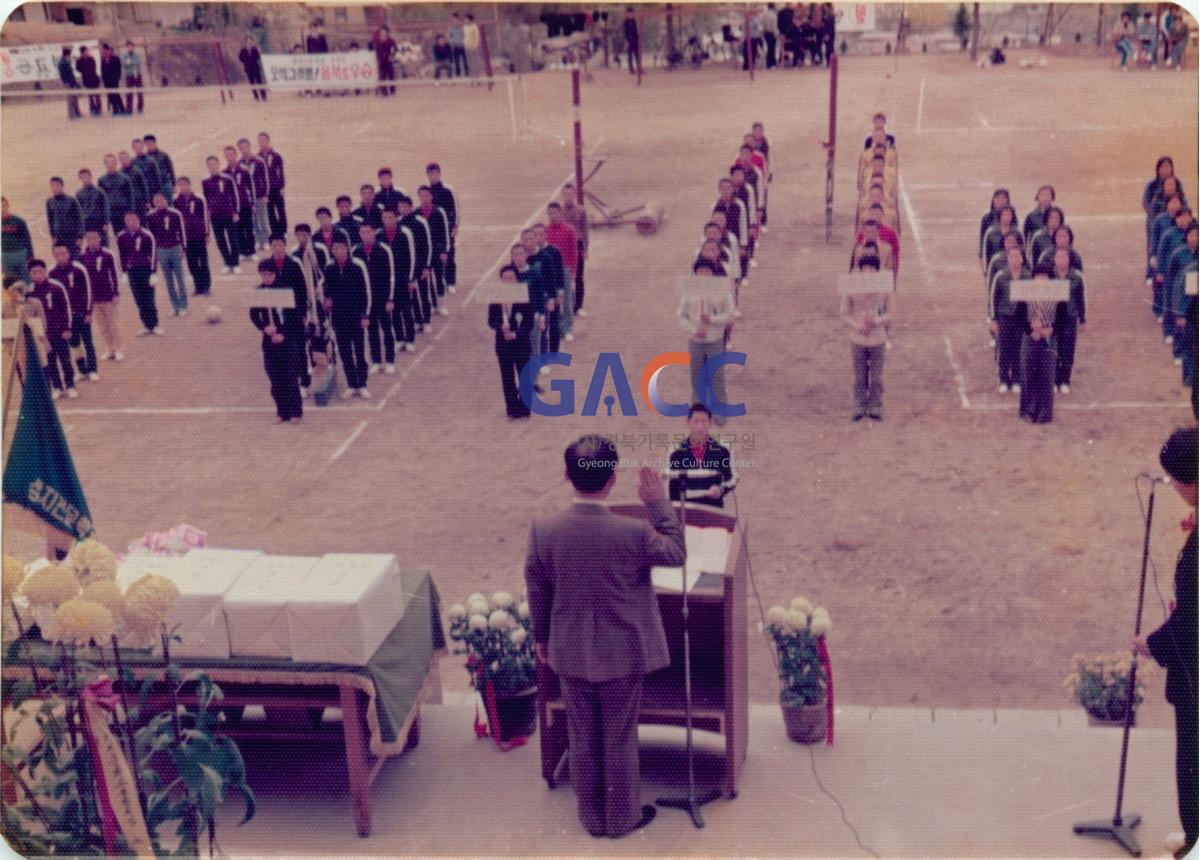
[272,297]
[1189,283]
[1039,290]
[504,293]
[28,63]
[320,71]
[707,287]
[862,282]
[8,329]
[854,17]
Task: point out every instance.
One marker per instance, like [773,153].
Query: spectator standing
[470,40]
[385,56]
[66,74]
[458,51]
[315,42]
[251,60]
[16,246]
[630,28]
[1122,38]
[443,57]
[131,65]
[90,76]
[769,22]
[110,74]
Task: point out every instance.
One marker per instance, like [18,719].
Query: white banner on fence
[854,17]
[28,63]
[320,71]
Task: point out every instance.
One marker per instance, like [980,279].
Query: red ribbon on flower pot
[823,653]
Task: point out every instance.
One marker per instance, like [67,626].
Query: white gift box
[344,608]
[707,552]
[256,605]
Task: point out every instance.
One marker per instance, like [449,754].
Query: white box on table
[256,605]
[344,608]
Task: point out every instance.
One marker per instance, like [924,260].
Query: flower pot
[805,724]
[1103,718]
[517,714]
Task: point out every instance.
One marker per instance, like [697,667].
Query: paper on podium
[707,551]
[256,605]
[344,608]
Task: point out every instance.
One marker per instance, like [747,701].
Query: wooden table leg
[354,733]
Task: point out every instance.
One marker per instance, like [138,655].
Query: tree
[962,24]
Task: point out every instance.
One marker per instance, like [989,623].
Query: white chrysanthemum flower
[523,609]
[821,622]
[478,607]
[776,616]
[457,612]
[502,600]
[797,620]
[478,623]
[475,598]
[518,636]
[801,604]
[500,620]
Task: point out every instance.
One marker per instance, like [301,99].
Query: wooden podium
[720,667]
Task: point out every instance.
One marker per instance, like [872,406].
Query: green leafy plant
[497,637]
[1101,684]
[796,631]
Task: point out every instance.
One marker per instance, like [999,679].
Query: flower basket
[805,724]
[805,675]
[516,714]
[1101,685]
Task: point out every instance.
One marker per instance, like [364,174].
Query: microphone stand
[1120,829]
[692,802]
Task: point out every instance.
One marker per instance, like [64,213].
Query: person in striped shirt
[166,225]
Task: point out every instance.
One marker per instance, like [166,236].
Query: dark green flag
[39,474]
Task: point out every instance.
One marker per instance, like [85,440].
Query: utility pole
[975,36]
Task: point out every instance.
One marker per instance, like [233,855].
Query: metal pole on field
[1099,24]
[975,36]
[748,44]
[1157,29]
[578,137]
[486,54]
[830,147]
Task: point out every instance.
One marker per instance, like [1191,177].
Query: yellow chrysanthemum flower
[81,621]
[106,593]
[14,575]
[92,560]
[51,585]
[147,603]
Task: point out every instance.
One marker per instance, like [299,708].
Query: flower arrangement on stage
[497,637]
[798,632]
[1101,684]
[100,768]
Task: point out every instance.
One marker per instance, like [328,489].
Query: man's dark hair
[277,237]
[366,186]
[343,198]
[591,462]
[35,263]
[867,262]
[555,207]
[323,210]
[1178,455]
[385,171]
[266,266]
[403,198]
[507,268]
[424,188]
[302,228]
[339,240]
[212,158]
[1049,188]
[433,165]
[183,179]
[84,170]
[149,137]
[57,179]
[699,407]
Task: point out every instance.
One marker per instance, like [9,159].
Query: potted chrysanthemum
[1101,685]
[798,632]
[497,637]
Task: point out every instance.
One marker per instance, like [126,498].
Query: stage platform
[913,781]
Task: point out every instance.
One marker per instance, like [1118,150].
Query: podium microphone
[689,473]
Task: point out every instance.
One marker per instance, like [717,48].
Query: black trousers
[352,347]
[197,263]
[450,269]
[299,339]
[229,239]
[276,213]
[1008,349]
[62,375]
[438,275]
[550,337]
[116,105]
[579,277]
[134,81]
[1066,329]
[426,302]
[512,355]
[81,333]
[1037,386]
[631,49]
[96,108]
[770,39]
[245,230]
[387,72]
[1185,771]
[459,55]
[404,321]
[381,322]
[143,297]
[255,76]
[279,360]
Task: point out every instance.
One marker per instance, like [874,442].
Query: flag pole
[12,370]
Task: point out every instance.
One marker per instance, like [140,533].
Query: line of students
[369,283]
[868,316]
[1170,255]
[1035,342]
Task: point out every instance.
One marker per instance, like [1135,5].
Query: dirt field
[964,555]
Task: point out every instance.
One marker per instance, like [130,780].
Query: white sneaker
[428,327]
[143,332]
[1158,320]
[754,264]
[364,394]
[1168,339]
[303,391]
[568,336]
[1016,388]
[408,347]
[348,393]
[1003,389]
[94,377]
[72,394]
[118,356]
[174,312]
[992,342]
[237,270]
[228,270]
[389,369]
[109,356]
[1064,389]
[1179,362]
[158,330]
[376,368]
[545,370]
[451,288]
[581,313]
[443,311]
[183,312]
[55,394]
[745,282]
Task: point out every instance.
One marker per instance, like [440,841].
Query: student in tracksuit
[563,238]
[1008,321]
[439,233]
[1071,318]
[1172,238]
[1043,239]
[195,231]
[221,201]
[1035,220]
[423,241]
[576,215]
[74,277]
[166,224]
[512,324]
[1156,206]
[999,204]
[381,277]
[347,221]
[312,259]
[530,274]
[102,268]
[119,193]
[136,248]
[443,196]
[288,273]
[1181,261]
[245,189]
[162,163]
[93,206]
[63,216]
[280,350]
[148,166]
[1038,348]
[546,256]
[348,302]
[388,196]
[57,307]
[743,192]
[138,179]
[370,212]
[737,221]
[257,169]
[276,209]
[328,232]
[400,240]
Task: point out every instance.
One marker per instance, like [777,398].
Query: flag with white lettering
[39,474]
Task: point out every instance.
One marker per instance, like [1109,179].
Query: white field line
[959,379]
[983,120]
[920,104]
[345,446]
[1025,129]
[404,374]
[1144,405]
[197,410]
[1070,808]
[912,220]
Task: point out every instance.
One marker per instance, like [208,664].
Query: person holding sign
[1006,321]
[280,354]
[512,324]
[868,316]
[1038,355]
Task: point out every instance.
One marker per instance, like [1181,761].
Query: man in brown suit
[596,622]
